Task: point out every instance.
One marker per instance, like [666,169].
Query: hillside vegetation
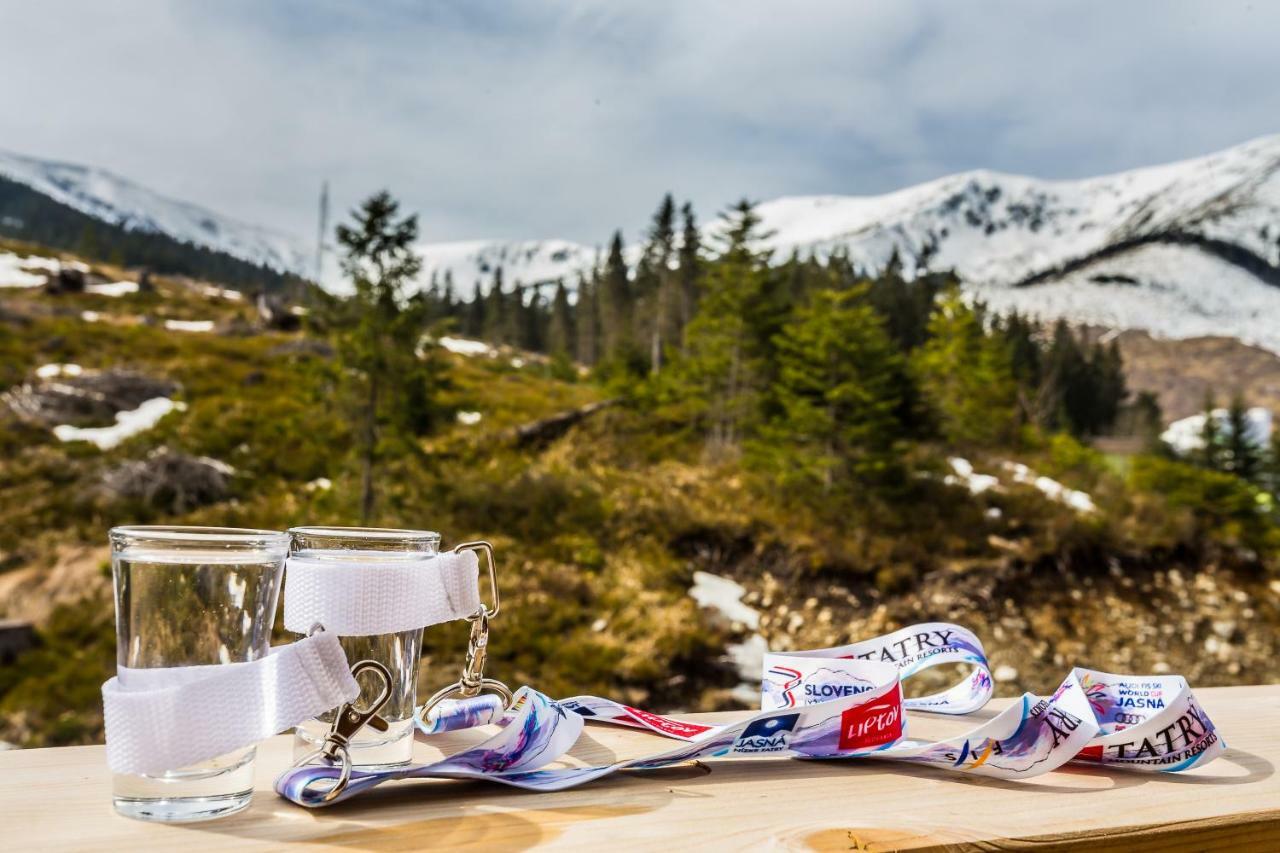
[857,453]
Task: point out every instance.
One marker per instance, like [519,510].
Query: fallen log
[549,429]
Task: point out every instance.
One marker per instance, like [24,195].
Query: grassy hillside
[599,531]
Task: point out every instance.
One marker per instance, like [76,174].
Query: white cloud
[569,119]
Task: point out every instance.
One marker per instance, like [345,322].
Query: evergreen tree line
[622,319]
[723,316]
[808,368]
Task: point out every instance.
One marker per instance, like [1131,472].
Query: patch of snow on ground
[469,418]
[748,657]
[189,325]
[725,597]
[52,371]
[14,270]
[114,288]
[127,424]
[39,262]
[1050,488]
[222,293]
[1187,435]
[463,346]
[965,476]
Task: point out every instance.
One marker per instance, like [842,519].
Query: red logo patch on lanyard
[872,724]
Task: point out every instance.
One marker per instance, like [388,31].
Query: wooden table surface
[59,799]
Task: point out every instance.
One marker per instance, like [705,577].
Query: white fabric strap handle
[173,717]
[352,599]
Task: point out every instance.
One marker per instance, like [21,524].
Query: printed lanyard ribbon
[834,703]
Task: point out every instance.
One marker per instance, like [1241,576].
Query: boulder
[169,482]
[275,314]
[70,278]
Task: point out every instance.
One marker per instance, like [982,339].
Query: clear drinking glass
[358,548]
[192,596]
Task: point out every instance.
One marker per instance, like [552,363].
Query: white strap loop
[352,599]
[169,718]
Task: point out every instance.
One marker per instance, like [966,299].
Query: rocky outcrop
[86,399]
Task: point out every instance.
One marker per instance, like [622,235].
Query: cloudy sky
[567,119]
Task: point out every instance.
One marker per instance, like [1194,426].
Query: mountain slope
[33,218]
[1184,249]
[118,201]
[998,229]
[472,263]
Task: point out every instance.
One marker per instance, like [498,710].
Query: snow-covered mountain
[1180,250]
[473,262]
[119,201]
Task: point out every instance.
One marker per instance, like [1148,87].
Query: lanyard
[826,704]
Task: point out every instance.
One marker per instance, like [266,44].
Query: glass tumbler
[358,548]
[192,597]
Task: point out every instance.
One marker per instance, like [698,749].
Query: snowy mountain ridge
[1180,250]
[119,201]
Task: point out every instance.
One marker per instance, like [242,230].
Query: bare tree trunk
[655,356]
[731,431]
[370,445]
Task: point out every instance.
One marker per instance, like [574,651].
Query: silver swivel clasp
[473,681]
[347,721]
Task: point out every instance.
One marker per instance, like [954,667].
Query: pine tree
[904,305]
[1113,391]
[450,297]
[377,333]
[723,369]
[1211,451]
[476,319]
[499,313]
[561,337]
[838,391]
[654,282]
[1272,478]
[966,376]
[1243,455]
[615,303]
[689,266]
[587,317]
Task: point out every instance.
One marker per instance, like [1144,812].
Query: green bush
[1212,507]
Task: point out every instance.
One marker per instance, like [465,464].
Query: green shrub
[1214,507]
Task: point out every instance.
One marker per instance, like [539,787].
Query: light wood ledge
[59,799]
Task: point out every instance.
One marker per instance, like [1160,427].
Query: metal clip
[487,549]
[472,682]
[347,721]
